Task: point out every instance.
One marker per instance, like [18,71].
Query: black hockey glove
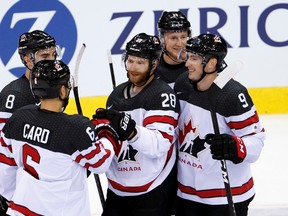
[3,205]
[120,121]
[103,129]
[226,147]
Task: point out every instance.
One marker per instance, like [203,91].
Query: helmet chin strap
[194,83]
[32,57]
[169,56]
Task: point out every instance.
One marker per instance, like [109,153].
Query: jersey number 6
[31,152]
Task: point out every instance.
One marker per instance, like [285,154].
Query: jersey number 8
[10,101]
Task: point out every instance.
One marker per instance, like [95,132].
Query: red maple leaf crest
[187,128]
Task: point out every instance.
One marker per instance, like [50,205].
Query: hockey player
[53,150]
[140,178]
[174,30]
[32,47]
[200,183]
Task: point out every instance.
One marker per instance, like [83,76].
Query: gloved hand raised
[226,147]
[103,129]
[120,121]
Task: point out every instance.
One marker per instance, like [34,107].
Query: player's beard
[138,78]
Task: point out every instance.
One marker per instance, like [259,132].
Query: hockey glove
[226,147]
[120,121]
[3,205]
[103,129]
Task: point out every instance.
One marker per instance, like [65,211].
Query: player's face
[45,54]
[194,65]
[137,69]
[174,42]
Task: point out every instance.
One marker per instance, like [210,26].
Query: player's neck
[27,73]
[53,104]
[136,88]
[206,82]
[170,60]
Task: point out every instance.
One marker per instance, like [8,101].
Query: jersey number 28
[169,100]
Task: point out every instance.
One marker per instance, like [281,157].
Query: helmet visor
[50,53]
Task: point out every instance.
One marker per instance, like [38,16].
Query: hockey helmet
[144,46]
[173,21]
[33,41]
[47,76]
[209,45]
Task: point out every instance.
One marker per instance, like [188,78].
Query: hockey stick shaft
[220,82]
[111,68]
[79,109]
[77,100]
[224,168]
[100,190]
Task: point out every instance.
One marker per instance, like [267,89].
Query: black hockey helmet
[209,45]
[35,40]
[47,76]
[30,42]
[144,46]
[173,21]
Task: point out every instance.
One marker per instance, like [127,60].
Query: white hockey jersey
[52,152]
[12,97]
[144,162]
[199,176]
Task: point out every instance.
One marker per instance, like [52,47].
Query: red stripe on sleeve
[99,162]
[92,154]
[167,136]
[89,155]
[3,143]
[3,120]
[7,160]
[160,119]
[22,209]
[242,124]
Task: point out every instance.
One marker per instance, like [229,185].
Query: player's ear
[214,61]
[28,61]
[211,64]
[63,91]
[155,64]
[162,41]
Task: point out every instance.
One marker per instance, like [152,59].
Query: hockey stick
[219,83]
[111,68]
[75,81]
[79,109]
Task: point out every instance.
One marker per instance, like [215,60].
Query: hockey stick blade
[75,79]
[228,73]
[78,61]
[111,68]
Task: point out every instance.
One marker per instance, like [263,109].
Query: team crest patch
[217,39]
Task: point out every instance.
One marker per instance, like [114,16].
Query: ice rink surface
[270,172]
